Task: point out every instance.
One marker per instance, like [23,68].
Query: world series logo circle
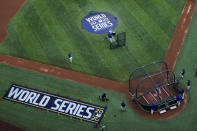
[99,22]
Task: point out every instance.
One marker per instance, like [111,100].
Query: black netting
[121,38]
[143,82]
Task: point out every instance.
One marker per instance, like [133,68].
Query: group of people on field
[181,95]
[103,97]
[110,37]
[188,82]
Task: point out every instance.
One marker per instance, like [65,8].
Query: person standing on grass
[182,73]
[110,35]
[70,57]
[188,85]
[103,97]
[123,106]
[102,128]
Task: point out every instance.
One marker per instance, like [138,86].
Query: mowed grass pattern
[47,30]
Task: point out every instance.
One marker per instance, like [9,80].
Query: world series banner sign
[65,106]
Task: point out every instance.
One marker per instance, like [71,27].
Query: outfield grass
[45,31]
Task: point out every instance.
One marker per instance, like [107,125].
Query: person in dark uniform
[123,106]
[70,57]
[188,85]
[178,97]
[152,107]
[182,73]
[103,97]
[110,35]
[158,90]
[182,93]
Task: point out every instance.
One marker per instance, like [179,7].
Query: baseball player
[158,88]
[152,107]
[188,85]
[70,57]
[102,128]
[110,36]
[182,73]
[123,106]
[178,99]
[103,97]
[182,93]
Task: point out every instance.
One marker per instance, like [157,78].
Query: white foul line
[152,96]
[165,91]
[189,9]
[145,100]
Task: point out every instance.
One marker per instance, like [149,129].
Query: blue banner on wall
[99,22]
[65,106]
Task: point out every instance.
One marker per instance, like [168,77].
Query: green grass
[30,119]
[45,31]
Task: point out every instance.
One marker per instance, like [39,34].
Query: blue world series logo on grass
[99,23]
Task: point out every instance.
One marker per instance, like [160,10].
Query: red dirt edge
[179,34]
[8,127]
[170,57]
[8,9]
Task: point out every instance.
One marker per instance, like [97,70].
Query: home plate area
[158,91]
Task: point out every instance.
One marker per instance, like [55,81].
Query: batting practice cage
[120,41]
[154,84]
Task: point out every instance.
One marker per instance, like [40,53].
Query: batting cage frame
[154,84]
[120,41]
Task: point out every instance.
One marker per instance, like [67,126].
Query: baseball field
[46,31]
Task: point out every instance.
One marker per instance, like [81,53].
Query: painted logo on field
[65,106]
[99,22]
